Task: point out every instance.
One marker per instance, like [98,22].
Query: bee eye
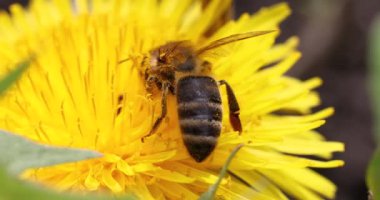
[162,59]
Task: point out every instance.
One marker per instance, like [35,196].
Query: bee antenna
[123,61]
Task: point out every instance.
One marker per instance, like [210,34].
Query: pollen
[85,89]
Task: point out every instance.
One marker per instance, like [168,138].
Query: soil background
[334,43]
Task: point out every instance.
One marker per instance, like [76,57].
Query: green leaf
[18,154]
[373,175]
[209,195]
[15,189]
[13,76]
[374,63]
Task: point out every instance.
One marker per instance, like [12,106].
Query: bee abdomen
[200,127]
[200,110]
[200,114]
[200,136]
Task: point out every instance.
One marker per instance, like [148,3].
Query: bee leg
[165,88]
[233,107]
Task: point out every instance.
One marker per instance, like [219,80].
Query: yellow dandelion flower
[77,94]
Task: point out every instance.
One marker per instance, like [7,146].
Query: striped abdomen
[200,114]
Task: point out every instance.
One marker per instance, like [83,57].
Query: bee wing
[229,39]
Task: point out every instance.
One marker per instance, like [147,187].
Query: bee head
[164,61]
[159,68]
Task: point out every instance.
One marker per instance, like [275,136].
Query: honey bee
[179,69]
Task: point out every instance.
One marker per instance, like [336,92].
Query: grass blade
[209,195]
[373,171]
[13,76]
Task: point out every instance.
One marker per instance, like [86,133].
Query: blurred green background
[334,43]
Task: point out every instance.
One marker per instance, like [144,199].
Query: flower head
[77,93]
